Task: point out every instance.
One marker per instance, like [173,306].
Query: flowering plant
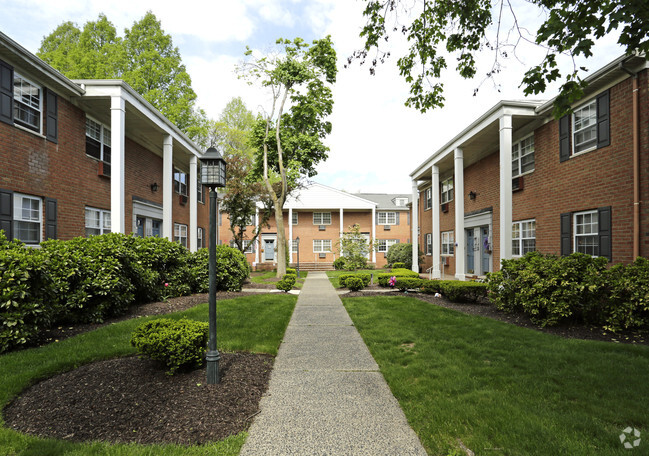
[392,282]
[164,293]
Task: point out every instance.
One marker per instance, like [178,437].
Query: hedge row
[577,287]
[456,290]
[90,279]
[384,278]
[365,278]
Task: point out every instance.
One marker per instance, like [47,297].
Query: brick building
[318,215]
[517,180]
[87,157]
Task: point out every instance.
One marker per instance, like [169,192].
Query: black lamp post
[297,239]
[212,176]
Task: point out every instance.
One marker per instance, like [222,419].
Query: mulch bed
[134,400]
[568,331]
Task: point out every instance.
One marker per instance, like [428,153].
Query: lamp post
[212,176]
[297,239]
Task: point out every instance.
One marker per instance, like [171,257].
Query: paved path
[326,394]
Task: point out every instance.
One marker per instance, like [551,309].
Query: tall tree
[145,58]
[462,28]
[288,137]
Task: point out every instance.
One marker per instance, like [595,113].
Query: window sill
[577,154]
[524,174]
[29,130]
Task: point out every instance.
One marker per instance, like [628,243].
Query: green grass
[268,276]
[502,389]
[252,323]
[333,275]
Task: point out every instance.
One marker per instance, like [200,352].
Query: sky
[376,140]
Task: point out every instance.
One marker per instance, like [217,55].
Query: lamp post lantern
[297,239]
[213,177]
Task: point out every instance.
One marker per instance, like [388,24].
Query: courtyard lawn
[271,277]
[333,275]
[502,389]
[252,323]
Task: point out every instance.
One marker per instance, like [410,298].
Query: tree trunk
[281,242]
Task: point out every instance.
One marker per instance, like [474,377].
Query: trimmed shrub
[291,271]
[407,283]
[339,263]
[431,286]
[383,278]
[354,283]
[175,343]
[402,253]
[624,302]
[399,265]
[365,278]
[232,269]
[287,282]
[457,291]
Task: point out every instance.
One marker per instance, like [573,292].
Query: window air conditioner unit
[445,207]
[386,228]
[103,169]
[323,255]
[322,228]
[183,200]
[517,184]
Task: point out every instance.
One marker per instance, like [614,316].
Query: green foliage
[232,269]
[339,263]
[399,265]
[354,247]
[577,287]
[385,277]
[458,291]
[402,253]
[365,278]
[407,283]
[291,271]
[354,283]
[145,58]
[431,286]
[286,284]
[457,31]
[175,343]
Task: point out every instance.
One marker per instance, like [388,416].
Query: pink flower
[393,281]
[166,284]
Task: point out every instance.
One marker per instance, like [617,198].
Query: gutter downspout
[636,164]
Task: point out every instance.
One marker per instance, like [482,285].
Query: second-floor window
[428,198]
[387,218]
[584,124]
[97,140]
[28,103]
[523,156]
[322,218]
[180,182]
[447,190]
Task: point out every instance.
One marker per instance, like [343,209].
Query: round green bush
[354,283]
[175,343]
[232,269]
[339,263]
[287,282]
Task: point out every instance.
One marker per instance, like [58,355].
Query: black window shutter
[566,233]
[51,121]
[50,218]
[408,217]
[7,213]
[397,217]
[603,120]
[564,138]
[604,226]
[6,93]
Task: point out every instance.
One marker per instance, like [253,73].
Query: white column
[258,249]
[436,231]
[342,230]
[193,203]
[460,254]
[505,187]
[290,234]
[167,187]
[117,138]
[373,241]
[414,223]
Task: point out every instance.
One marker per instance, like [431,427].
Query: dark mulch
[569,331]
[133,400]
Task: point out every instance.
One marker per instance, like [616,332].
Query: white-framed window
[322,218]
[429,243]
[523,156]
[200,235]
[321,245]
[294,246]
[523,237]
[387,218]
[248,247]
[428,198]
[383,245]
[294,218]
[448,243]
[584,127]
[400,202]
[180,182]
[28,217]
[200,193]
[97,221]
[180,234]
[98,143]
[447,190]
[28,103]
[586,229]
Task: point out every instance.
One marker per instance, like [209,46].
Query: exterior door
[486,249]
[470,255]
[156,227]
[140,223]
[269,249]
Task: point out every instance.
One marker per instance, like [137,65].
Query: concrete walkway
[326,394]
